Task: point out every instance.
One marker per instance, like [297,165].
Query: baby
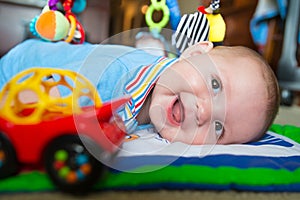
[208,95]
[229,93]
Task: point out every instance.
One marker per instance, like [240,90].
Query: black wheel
[8,158]
[287,97]
[70,166]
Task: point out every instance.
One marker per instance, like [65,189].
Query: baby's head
[215,95]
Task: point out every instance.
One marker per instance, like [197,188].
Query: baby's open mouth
[178,111]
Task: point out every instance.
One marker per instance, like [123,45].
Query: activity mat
[270,165]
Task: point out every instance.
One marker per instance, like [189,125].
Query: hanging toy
[174,13]
[53,25]
[153,42]
[216,22]
[205,25]
[192,28]
[157,6]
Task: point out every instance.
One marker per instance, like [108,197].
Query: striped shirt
[139,87]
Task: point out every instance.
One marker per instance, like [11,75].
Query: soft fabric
[52,26]
[270,165]
[192,28]
[265,10]
[217,27]
[103,65]
[139,86]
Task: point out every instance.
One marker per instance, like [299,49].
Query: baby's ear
[196,49]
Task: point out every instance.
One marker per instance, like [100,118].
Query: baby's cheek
[195,135]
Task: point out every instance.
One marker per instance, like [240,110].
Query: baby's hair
[273,95]
[271,83]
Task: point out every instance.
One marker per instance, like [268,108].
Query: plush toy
[53,25]
[206,24]
[192,28]
[153,41]
[216,22]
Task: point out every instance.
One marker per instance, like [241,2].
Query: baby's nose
[203,112]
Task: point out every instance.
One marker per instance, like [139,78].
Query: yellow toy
[217,28]
[216,22]
[37,82]
[206,24]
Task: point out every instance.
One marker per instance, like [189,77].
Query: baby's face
[197,101]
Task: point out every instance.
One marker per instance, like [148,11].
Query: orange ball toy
[52,25]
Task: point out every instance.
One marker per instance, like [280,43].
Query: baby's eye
[219,128]
[216,85]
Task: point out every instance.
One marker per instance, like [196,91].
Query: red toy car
[65,143]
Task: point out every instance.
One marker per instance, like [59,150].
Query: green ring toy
[157,4]
[166,15]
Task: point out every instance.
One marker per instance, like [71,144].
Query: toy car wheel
[8,159]
[70,166]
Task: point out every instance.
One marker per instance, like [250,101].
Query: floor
[159,195]
[287,115]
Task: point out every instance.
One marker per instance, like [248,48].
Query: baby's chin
[167,134]
[173,136]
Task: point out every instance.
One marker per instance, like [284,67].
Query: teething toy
[157,6]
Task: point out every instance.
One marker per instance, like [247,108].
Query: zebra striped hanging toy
[206,24]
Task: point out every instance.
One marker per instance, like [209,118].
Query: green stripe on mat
[38,181]
[292,132]
[26,182]
[206,175]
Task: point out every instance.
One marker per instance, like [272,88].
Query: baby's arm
[37,53]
